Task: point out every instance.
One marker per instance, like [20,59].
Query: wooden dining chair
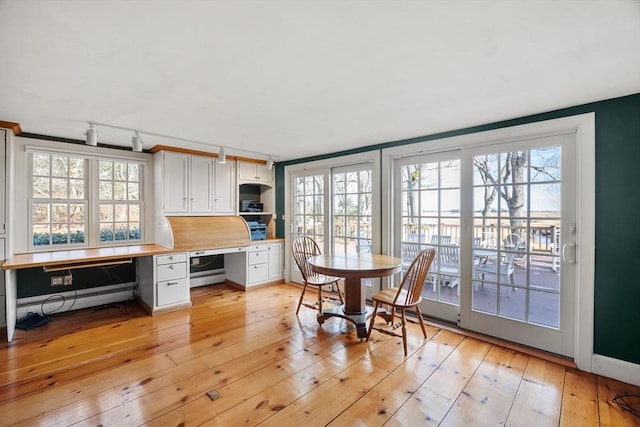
[302,248]
[407,295]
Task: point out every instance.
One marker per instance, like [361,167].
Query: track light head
[222,157]
[136,142]
[92,135]
[269,163]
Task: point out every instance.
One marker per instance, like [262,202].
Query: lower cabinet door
[172,292]
[257,273]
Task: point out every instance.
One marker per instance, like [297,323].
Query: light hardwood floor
[117,366]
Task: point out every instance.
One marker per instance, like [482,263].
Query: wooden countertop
[79,256]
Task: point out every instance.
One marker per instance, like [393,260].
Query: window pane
[119,191]
[41,235]
[133,191]
[106,232]
[41,165]
[76,168]
[40,213]
[76,189]
[59,188]
[106,213]
[106,170]
[134,213]
[134,231]
[106,190]
[59,213]
[134,172]
[76,213]
[121,212]
[60,234]
[119,171]
[41,188]
[59,166]
[121,231]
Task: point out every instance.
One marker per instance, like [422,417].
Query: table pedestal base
[358,319]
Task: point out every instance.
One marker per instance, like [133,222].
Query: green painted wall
[617,233]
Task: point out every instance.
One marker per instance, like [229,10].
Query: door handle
[565,248]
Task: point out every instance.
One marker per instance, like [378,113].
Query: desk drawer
[173,271]
[171,258]
[257,257]
[172,292]
[258,273]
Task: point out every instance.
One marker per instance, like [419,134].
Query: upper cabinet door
[201,184]
[175,182]
[224,188]
[254,172]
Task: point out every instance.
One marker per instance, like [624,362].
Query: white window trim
[24,146]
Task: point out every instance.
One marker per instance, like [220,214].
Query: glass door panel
[429,189]
[522,205]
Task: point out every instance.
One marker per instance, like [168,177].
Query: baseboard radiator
[75,299]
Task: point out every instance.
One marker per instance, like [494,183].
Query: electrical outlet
[57,280]
[68,280]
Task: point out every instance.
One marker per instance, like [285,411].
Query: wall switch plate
[57,280]
[67,280]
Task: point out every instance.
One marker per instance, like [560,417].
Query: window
[81,201]
[120,204]
[58,200]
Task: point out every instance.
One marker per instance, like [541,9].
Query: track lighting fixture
[136,142]
[92,135]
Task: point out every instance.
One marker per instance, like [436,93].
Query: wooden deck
[119,367]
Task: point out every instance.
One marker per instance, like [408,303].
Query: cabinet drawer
[174,271]
[257,257]
[171,258]
[172,292]
[257,273]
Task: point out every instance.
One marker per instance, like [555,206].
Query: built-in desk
[66,259]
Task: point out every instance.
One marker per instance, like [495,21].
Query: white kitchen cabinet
[275,260]
[186,182]
[262,263]
[249,172]
[224,188]
[164,282]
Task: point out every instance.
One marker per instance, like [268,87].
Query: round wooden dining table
[354,268]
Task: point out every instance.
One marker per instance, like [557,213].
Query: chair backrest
[302,248]
[513,242]
[410,290]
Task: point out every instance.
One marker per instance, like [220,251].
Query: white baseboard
[617,369]
[75,300]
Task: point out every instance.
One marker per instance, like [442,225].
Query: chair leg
[373,318]
[404,332]
[320,299]
[304,288]
[424,330]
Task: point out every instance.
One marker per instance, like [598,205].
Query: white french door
[502,218]
[523,224]
[309,215]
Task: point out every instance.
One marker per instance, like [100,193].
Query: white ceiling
[301,78]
